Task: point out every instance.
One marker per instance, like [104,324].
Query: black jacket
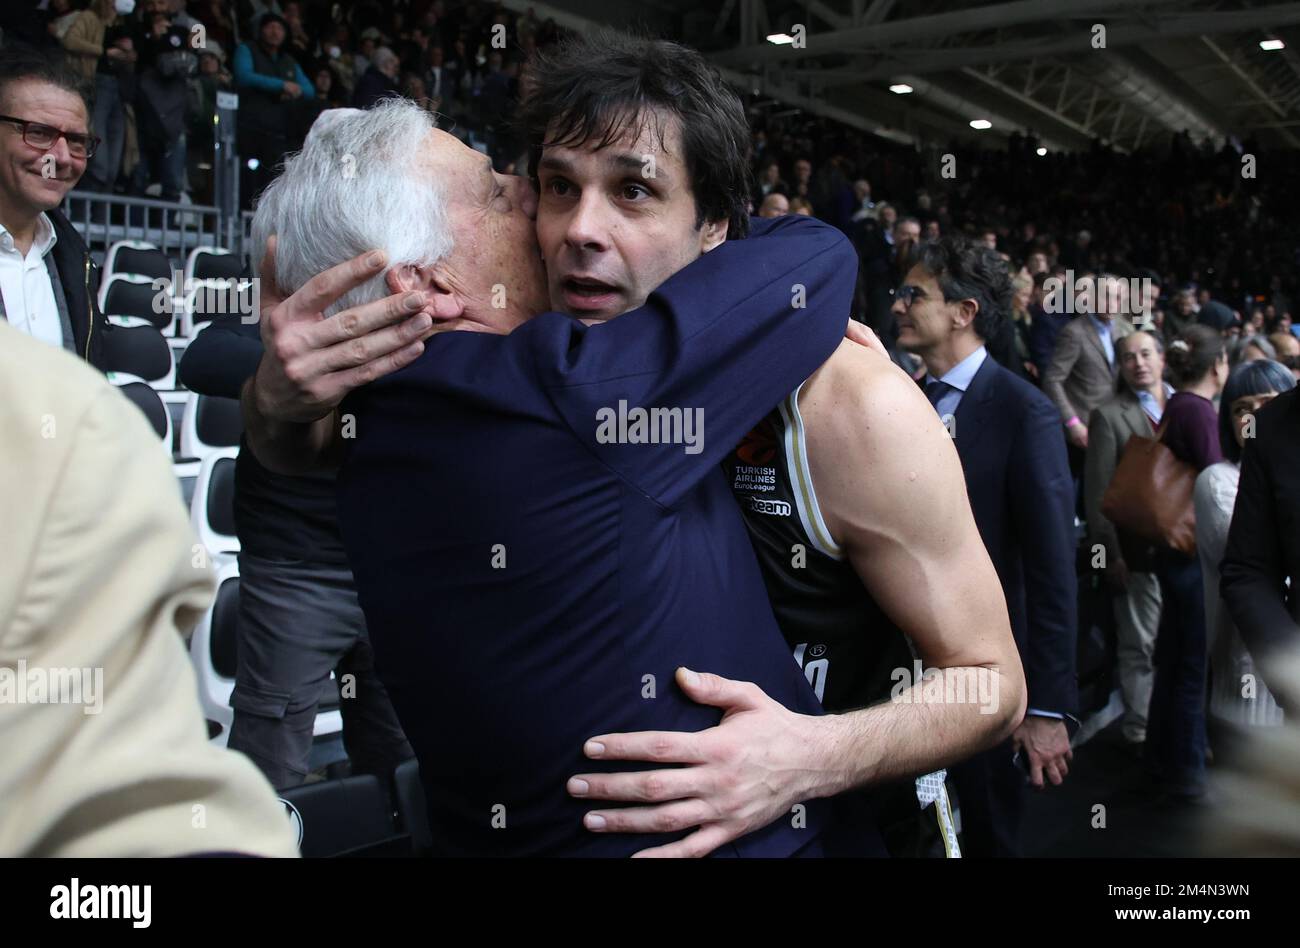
[79,276]
[1264,539]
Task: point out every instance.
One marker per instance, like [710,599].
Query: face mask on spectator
[335,52]
[124,7]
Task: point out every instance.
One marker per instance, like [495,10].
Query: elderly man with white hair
[614,559]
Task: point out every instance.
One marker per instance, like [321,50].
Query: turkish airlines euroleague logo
[759,446]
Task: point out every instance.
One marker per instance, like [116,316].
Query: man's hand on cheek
[312,362]
[740,776]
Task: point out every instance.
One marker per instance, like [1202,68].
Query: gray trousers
[1137,617]
[298,621]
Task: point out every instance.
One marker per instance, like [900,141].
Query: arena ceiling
[1023,66]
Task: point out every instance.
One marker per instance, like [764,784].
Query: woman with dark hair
[1198,367]
[1237,696]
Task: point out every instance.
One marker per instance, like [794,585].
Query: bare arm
[912,539]
[909,533]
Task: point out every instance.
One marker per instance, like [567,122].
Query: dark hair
[965,270]
[597,86]
[1250,378]
[1192,355]
[19,63]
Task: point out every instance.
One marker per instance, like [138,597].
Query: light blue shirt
[958,379]
[1103,332]
[1151,406]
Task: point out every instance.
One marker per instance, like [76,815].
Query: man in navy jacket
[536,557]
[1009,438]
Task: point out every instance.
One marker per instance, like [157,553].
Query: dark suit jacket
[1012,451]
[79,277]
[1264,539]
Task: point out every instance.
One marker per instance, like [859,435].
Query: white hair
[360,183]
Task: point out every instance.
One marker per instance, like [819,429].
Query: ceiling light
[780,39]
[981,124]
[900,88]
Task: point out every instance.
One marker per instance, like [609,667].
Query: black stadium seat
[134,296]
[412,807]
[208,265]
[143,261]
[218,421]
[148,402]
[221,497]
[137,350]
[224,645]
[347,817]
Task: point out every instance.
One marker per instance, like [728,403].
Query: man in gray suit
[1135,411]
[1083,369]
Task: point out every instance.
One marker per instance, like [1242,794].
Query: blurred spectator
[329,88]
[1198,368]
[769,179]
[212,78]
[1263,551]
[101,46]
[1251,349]
[1237,697]
[270,84]
[1083,368]
[180,16]
[216,21]
[62,15]
[774,205]
[167,62]
[799,205]
[1135,411]
[379,80]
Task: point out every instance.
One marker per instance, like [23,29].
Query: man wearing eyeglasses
[48,283]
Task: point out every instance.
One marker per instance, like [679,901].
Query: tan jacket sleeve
[1064,356]
[104,582]
[85,35]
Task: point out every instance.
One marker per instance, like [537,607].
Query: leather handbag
[1151,495]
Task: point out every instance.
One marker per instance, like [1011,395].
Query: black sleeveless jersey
[846,645]
[850,651]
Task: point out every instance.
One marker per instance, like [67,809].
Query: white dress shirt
[25,285]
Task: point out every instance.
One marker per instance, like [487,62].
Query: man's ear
[966,312]
[442,302]
[712,234]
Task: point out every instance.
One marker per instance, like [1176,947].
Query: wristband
[1073,421]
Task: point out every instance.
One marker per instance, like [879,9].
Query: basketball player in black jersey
[856,503]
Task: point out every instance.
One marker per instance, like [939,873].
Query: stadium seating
[135,346]
[208,423]
[138,258]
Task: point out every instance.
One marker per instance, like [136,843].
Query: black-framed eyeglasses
[908,294]
[44,136]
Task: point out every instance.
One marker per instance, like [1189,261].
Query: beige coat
[99,573]
[1079,379]
[85,40]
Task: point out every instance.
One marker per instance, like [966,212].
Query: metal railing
[174,228]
